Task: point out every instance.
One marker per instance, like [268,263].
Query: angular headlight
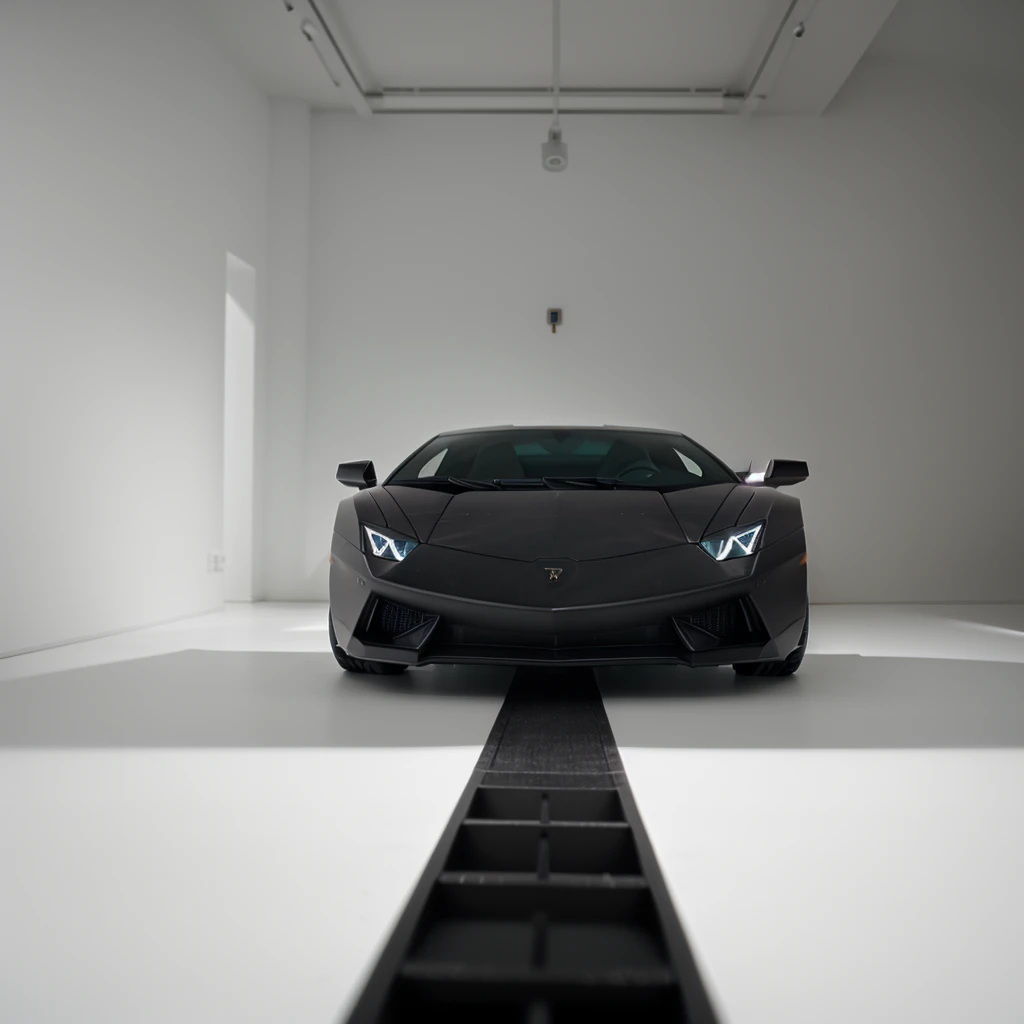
[736,542]
[383,545]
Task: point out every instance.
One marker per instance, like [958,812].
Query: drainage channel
[543,899]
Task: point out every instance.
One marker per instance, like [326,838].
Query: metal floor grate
[543,900]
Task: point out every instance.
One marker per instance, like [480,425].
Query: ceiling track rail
[538,101]
[333,50]
[325,38]
[797,14]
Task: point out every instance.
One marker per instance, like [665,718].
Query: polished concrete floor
[207,821]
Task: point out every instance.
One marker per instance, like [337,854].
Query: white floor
[206,821]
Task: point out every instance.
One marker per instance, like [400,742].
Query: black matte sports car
[569,546]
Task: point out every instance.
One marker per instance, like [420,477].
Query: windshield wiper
[608,482]
[611,481]
[474,485]
[467,485]
[516,483]
[572,481]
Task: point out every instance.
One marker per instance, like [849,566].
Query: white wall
[133,157]
[844,289]
[281,427]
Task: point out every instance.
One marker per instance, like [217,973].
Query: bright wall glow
[239,424]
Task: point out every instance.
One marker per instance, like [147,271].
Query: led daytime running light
[735,543]
[392,548]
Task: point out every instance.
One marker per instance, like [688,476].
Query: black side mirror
[357,474]
[785,473]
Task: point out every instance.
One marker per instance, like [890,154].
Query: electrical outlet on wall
[215,561]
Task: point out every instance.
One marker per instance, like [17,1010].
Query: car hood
[581,524]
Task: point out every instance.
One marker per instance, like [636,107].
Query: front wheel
[777,668]
[350,664]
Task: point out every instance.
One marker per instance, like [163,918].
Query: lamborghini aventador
[569,546]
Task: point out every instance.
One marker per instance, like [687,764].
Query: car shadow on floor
[277,699]
[249,699]
[838,701]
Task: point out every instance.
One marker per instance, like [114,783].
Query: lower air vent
[392,619]
[722,620]
[390,624]
[731,624]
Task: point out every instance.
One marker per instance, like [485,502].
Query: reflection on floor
[208,821]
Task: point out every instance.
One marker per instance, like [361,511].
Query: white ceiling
[657,44]
[261,38]
[980,36]
[605,43]
[610,44]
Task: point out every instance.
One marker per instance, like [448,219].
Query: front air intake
[397,625]
[392,619]
[722,620]
[730,624]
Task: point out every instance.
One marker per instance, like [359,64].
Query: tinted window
[517,456]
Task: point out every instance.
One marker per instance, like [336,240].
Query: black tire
[350,664]
[778,668]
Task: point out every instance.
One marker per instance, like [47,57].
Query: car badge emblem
[553,574]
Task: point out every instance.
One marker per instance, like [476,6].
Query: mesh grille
[391,619]
[722,620]
[727,623]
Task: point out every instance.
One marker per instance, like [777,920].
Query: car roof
[548,426]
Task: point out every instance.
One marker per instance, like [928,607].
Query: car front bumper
[605,615]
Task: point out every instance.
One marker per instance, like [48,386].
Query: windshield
[563,457]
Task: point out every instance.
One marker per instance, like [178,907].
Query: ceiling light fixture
[554,153]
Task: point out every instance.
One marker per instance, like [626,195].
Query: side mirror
[357,474]
[781,473]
